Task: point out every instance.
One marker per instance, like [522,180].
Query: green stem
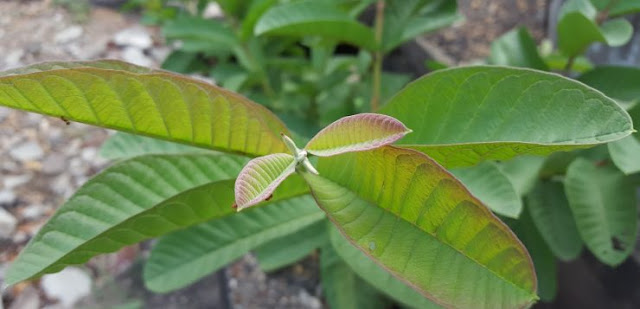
[377,64]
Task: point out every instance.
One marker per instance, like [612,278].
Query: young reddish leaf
[356,133]
[260,177]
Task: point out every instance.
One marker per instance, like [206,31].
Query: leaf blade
[181,258]
[156,103]
[603,195]
[261,176]
[392,233]
[356,133]
[305,18]
[462,116]
[288,249]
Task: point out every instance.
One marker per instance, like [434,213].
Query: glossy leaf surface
[420,223]
[356,133]
[306,18]
[552,216]
[153,103]
[463,116]
[261,176]
[491,186]
[604,204]
[183,257]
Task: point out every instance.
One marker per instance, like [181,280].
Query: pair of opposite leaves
[261,176]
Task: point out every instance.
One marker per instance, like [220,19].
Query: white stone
[136,56]
[11,182]
[28,151]
[27,299]
[54,164]
[7,197]
[4,113]
[33,212]
[212,10]
[8,224]
[67,286]
[67,35]
[135,36]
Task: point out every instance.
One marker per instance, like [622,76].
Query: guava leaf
[517,48]
[418,222]
[543,259]
[619,7]
[288,249]
[200,35]
[404,20]
[604,204]
[124,146]
[375,275]
[342,287]
[356,133]
[261,176]
[463,116]
[617,82]
[523,172]
[552,216]
[307,18]
[152,103]
[576,32]
[625,154]
[491,186]
[185,256]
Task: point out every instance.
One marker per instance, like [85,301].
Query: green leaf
[342,287]
[552,216]
[185,256]
[621,7]
[625,153]
[306,18]
[617,82]
[406,19]
[124,146]
[256,9]
[153,103]
[261,176]
[129,202]
[604,204]
[288,249]
[466,115]
[420,223]
[523,172]
[487,182]
[543,259]
[558,62]
[517,48]
[356,133]
[200,35]
[576,32]
[375,275]
[585,7]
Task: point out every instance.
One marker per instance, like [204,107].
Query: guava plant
[400,220]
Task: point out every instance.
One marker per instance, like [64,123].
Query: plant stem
[569,64]
[377,64]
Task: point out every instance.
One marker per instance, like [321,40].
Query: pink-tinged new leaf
[356,133]
[260,177]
